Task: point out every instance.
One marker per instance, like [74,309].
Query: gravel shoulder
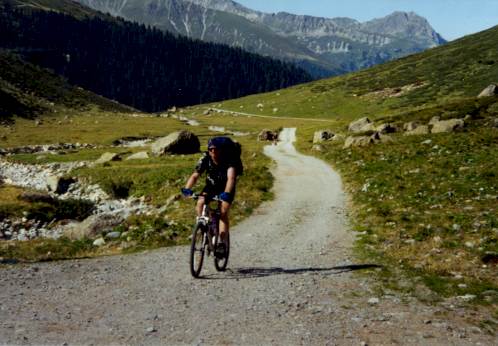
[291,280]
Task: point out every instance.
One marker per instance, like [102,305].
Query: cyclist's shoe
[220,251]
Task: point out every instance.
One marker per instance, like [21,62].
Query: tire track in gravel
[290,281]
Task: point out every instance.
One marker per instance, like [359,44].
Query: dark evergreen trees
[137,65]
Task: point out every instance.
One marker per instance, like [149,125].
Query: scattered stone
[113,235]
[494,123]
[93,225]
[58,184]
[386,128]
[418,130]
[142,155]
[317,147]
[268,135]
[434,120]
[107,157]
[374,301]
[490,90]
[322,135]
[410,126]
[99,242]
[467,297]
[181,142]
[361,125]
[448,125]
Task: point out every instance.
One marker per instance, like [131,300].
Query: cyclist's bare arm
[231,180]
[192,180]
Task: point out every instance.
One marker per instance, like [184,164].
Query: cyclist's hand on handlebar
[187,192]
[226,197]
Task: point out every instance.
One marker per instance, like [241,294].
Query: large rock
[490,90]
[322,136]
[361,125]
[107,157]
[410,126]
[386,128]
[59,184]
[142,155]
[93,226]
[448,125]
[268,135]
[180,142]
[363,141]
[419,130]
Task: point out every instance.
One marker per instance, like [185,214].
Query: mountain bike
[206,239]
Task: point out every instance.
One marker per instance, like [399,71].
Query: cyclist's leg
[200,204]
[224,220]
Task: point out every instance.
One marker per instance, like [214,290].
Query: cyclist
[221,168]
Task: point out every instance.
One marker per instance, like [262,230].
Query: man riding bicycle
[222,167]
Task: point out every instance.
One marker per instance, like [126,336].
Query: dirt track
[291,281]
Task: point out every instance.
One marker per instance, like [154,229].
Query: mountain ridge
[339,45]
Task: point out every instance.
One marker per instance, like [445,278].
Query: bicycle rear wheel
[221,263]
[197,250]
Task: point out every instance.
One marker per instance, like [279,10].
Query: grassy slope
[429,208]
[34,91]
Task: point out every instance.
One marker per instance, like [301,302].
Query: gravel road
[291,280]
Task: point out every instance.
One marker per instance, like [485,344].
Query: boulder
[338,138]
[490,90]
[419,130]
[359,141]
[434,120]
[410,126]
[322,136]
[58,184]
[142,155]
[180,142]
[268,135]
[448,125]
[386,128]
[93,226]
[363,141]
[317,147]
[361,125]
[494,123]
[107,157]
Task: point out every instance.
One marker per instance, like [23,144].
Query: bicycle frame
[210,218]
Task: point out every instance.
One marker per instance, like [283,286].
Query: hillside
[28,91]
[141,67]
[324,46]
[456,72]
[425,204]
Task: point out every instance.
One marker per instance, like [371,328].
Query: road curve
[290,281]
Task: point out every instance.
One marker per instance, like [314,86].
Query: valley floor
[291,280]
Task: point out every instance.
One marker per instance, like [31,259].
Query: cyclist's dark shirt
[216,175]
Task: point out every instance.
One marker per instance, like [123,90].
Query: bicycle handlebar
[215,198]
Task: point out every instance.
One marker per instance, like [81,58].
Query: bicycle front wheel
[220,263]
[197,250]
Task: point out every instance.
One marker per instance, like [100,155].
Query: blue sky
[450,18]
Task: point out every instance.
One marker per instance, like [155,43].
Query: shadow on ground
[257,272]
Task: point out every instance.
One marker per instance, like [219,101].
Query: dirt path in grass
[291,280]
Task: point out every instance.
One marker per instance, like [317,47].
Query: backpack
[232,151]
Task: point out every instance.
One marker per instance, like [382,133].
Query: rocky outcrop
[142,155]
[268,135]
[490,90]
[181,142]
[108,157]
[447,125]
[418,130]
[361,125]
[363,141]
[322,136]
[93,226]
